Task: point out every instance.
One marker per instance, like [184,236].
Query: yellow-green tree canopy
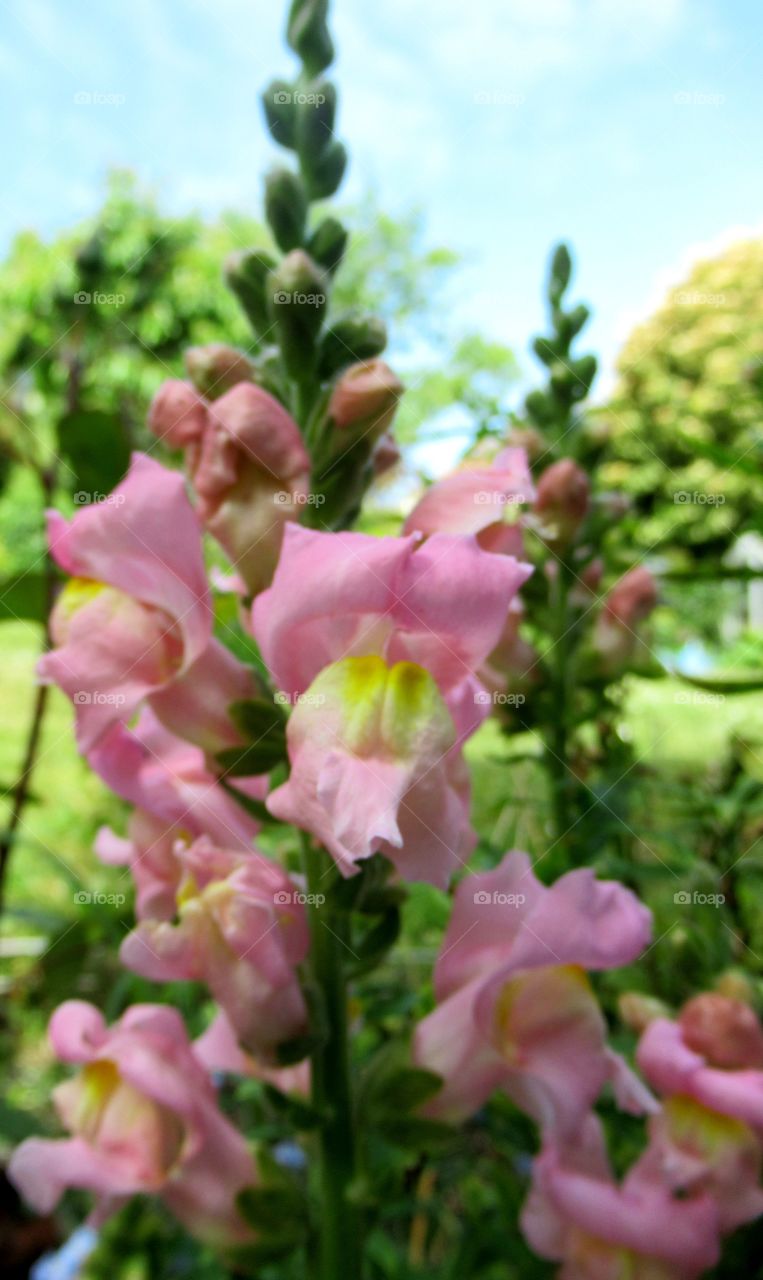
[683,432]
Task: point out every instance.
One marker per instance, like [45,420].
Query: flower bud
[562,500]
[245,273]
[529,439]
[385,456]
[365,398]
[638,1010]
[308,35]
[285,208]
[316,112]
[324,173]
[632,599]
[281,113]
[177,414]
[727,1033]
[297,297]
[327,244]
[351,339]
[216,368]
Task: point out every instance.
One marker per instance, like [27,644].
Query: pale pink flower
[144,1119]
[240,927]
[478,499]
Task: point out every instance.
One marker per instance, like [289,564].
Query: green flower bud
[246,271]
[328,243]
[281,113]
[350,339]
[308,35]
[285,208]
[298,292]
[561,273]
[324,173]
[316,113]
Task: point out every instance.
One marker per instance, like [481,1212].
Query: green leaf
[376,942]
[96,445]
[24,596]
[253,759]
[256,718]
[300,1114]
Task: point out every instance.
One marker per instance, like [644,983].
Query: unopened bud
[327,244]
[324,173]
[177,414]
[298,292]
[286,208]
[215,368]
[735,984]
[246,272]
[562,500]
[316,112]
[308,35]
[365,398]
[351,339]
[386,455]
[725,1032]
[632,599]
[281,113]
[638,1010]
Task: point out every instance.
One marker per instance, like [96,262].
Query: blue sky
[630,127]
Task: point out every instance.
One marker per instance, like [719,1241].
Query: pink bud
[386,455]
[216,368]
[726,1032]
[366,396]
[562,500]
[633,598]
[177,414]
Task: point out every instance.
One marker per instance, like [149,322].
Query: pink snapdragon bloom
[377,640]
[515,1009]
[240,928]
[168,778]
[440,604]
[693,1150]
[249,469]
[713,1054]
[481,500]
[365,399]
[144,1119]
[135,620]
[576,1214]
[218,1050]
[376,767]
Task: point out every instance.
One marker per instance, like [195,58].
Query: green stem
[340,1254]
[557,741]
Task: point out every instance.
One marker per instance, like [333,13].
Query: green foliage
[681,433]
